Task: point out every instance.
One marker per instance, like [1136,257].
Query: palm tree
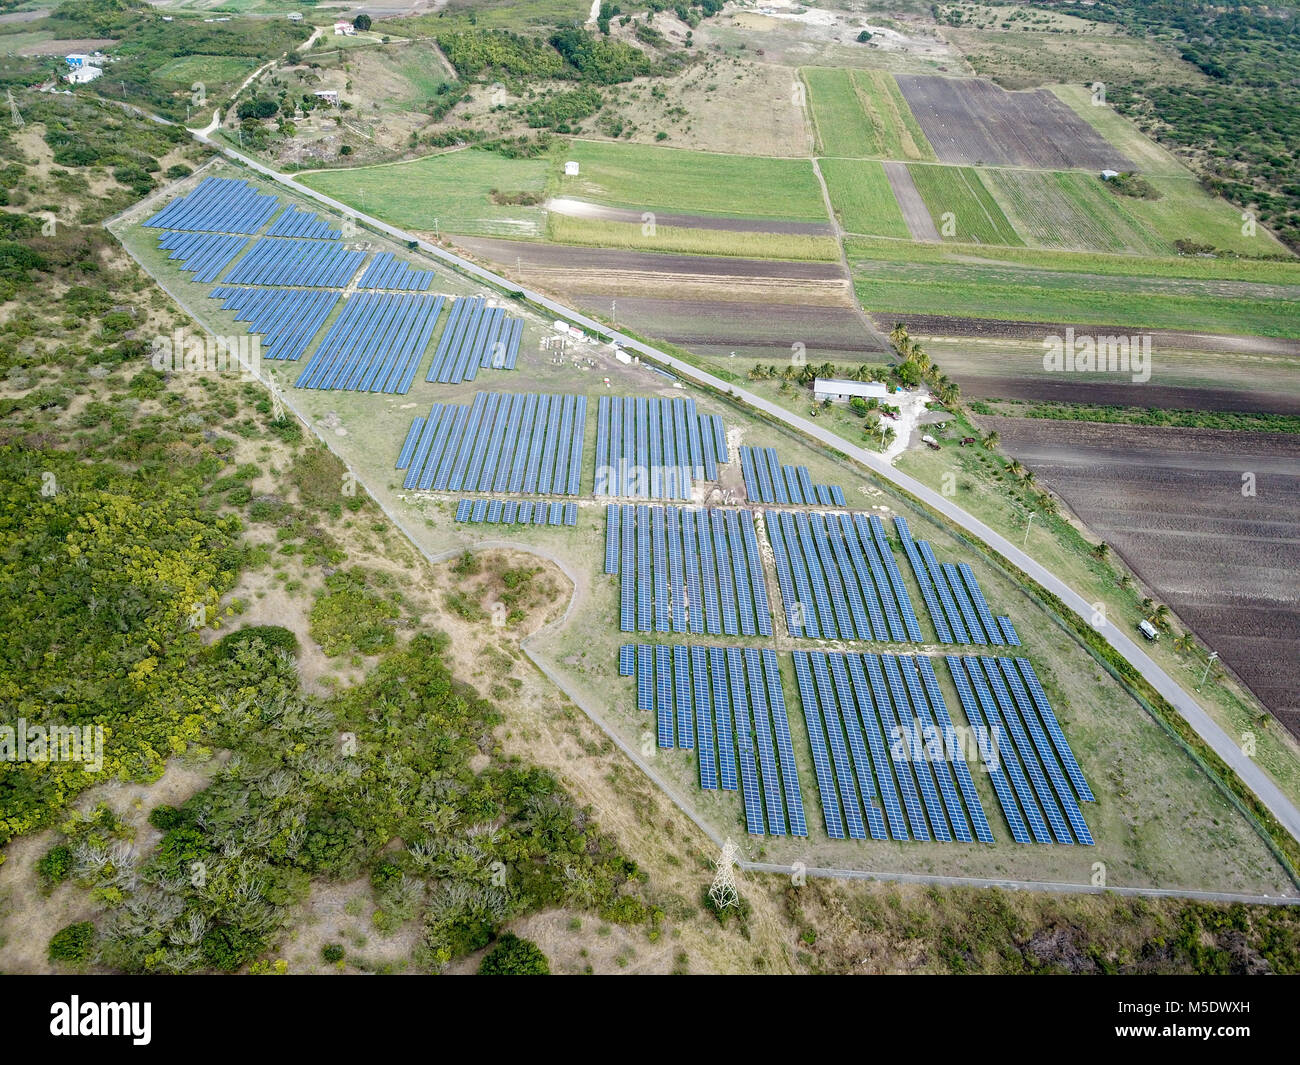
[992,440]
[1184,642]
[1101,550]
[1125,580]
[1146,606]
[1162,616]
[1016,468]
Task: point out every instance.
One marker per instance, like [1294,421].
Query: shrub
[273,636]
[332,953]
[56,866]
[74,944]
[513,956]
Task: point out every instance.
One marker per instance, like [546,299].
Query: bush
[74,944]
[56,866]
[332,953]
[513,956]
[273,636]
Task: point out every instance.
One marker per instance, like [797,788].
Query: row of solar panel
[952,594]
[767,481]
[652,448]
[728,705]
[838,578]
[287,319]
[387,271]
[203,254]
[294,222]
[687,570]
[902,752]
[476,337]
[375,345]
[1035,765]
[505,442]
[289,261]
[217,205]
[516,512]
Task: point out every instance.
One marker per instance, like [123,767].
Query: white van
[1148,630]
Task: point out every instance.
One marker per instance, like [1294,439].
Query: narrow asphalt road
[1219,741]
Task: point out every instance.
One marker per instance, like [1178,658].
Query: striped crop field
[1069,210]
[862,197]
[962,208]
[862,114]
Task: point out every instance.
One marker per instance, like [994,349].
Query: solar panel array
[476,337]
[387,271]
[217,205]
[1008,631]
[291,261]
[653,448]
[515,512]
[767,481]
[287,319]
[728,705]
[684,569]
[203,254]
[886,752]
[1037,779]
[295,222]
[952,594]
[375,345]
[838,579]
[523,442]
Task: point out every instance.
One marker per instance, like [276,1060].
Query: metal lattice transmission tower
[14,113]
[723,889]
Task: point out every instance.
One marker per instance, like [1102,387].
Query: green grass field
[629,236]
[1192,267]
[957,191]
[670,179]
[986,291]
[450,192]
[862,113]
[1069,210]
[209,69]
[862,197]
[1184,210]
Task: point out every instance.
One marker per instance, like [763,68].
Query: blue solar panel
[750,788]
[985,742]
[861,690]
[976,595]
[784,745]
[646,448]
[914,740]
[290,261]
[375,345]
[722,719]
[664,695]
[768,481]
[762,721]
[286,319]
[1008,631]
[204,255]
[899,749]
[817,740]
[938,758]
[983,832]
[220,205]
[645,678]
[840,702]
[626,660]
[294,222]
[683,698]
[475,337]
[387,271]
[703,718]
[1054,730]
[938,617]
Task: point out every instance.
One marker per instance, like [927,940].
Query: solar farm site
[802,659]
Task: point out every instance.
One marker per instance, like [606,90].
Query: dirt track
[1170,502]
[970,121]
[917,216]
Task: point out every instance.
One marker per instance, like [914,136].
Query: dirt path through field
[915,213]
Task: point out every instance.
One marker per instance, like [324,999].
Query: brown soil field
[1173,503]
[582,209]
[756,330]
[972,121]
[580,271]
[916,214]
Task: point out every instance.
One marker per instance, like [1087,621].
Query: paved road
[1255,778]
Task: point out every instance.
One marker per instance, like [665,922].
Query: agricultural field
[957,191]
[1184,211]
[963,290]
[974,122]
[862,113]
[690,240]
[1171,502]
[863,197]
[209,69]
[1069,210]
[1001,360]
[669,179]
[452,192]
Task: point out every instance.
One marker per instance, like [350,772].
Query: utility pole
[1029,525]
[1204,676]
[723,890]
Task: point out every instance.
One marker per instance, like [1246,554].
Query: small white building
[329,96]
[571,168]
[80,59]
[1106,175]
[344,29]
[83,75]
[295,16]
[837,389]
